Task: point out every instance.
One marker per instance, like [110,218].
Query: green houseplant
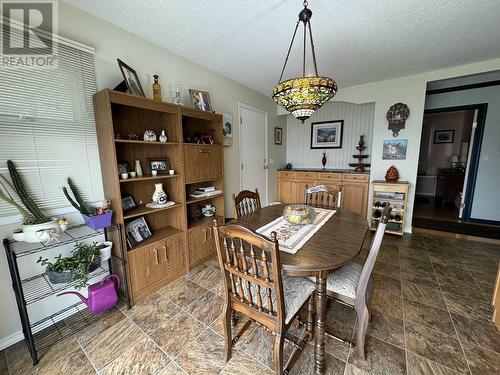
[95,218]
[76,268]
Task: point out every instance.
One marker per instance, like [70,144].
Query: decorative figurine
[163,137]
[392,175]
[149,136]
[156,88]
[208,210]
[133,137]
[323,160]
[360,166]
[177,99]
[138,168]
[397,115]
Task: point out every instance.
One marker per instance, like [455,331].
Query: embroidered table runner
[292,237]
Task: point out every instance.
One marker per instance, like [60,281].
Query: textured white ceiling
[357,41]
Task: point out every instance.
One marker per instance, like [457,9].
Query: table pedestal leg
[319,330]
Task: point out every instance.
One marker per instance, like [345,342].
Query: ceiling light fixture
[304,95]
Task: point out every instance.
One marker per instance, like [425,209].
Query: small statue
[156,88]
[323,160]
[392,174]
[163,137]
[133,137]
[177,99]
[149,136]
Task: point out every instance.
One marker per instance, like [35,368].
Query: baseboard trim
[11,340]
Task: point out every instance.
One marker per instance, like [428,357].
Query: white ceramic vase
[138,168]
[159,196]
[163,136]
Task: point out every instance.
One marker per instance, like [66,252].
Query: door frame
[255,109]
[474,150]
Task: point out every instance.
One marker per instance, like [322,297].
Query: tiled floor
[431,316]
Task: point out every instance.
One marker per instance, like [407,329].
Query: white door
[253,150]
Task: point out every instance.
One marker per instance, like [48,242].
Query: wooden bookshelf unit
[179,240]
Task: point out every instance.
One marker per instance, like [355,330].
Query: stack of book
[203,192]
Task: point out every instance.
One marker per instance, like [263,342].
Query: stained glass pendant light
[304,95]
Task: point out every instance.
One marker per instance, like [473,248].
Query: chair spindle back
[246,202]
[323,196]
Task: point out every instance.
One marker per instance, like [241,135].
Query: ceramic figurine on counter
[133,137]
[177,98]
[138,168]
[163,137]
[159,199]
[149,136]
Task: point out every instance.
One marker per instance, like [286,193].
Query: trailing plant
[82,256]
[79,204]
[31,212]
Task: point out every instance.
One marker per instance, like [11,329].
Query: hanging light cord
[304,16]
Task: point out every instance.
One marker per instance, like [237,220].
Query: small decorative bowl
[299,214]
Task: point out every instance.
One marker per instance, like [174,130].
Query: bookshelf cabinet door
[203,163]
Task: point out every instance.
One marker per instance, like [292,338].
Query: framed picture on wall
[327,134]
[200,100]
[444,136]
[227,128]
[278,136]
[395,149]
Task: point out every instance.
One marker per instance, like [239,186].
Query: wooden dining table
[338,241]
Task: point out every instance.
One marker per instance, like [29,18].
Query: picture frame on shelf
[227,128]
[128,203]
[200,100]
[394,149]
[278,136]
[444,136]
[160,165]
[327,134]
[137,231]
[123,168]
[131,79]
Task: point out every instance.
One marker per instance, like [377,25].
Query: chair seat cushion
[296,291]
[344,280]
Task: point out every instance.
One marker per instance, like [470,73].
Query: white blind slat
[47,128]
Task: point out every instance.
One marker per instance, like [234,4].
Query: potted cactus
[95,217]
[35,226]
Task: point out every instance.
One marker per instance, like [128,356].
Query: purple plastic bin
[98,221]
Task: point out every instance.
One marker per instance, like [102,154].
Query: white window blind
[47,128]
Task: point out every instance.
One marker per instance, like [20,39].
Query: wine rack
[394,194]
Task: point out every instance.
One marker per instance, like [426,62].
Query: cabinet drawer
[391,188]
[286,174]
[307,175]
[356,177]
[330,177]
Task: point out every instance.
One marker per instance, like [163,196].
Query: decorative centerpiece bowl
[299,214]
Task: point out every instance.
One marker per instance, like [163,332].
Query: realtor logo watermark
[28,30]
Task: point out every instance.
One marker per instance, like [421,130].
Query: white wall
[358,119]
[147,59]
[486,204]
[409,90]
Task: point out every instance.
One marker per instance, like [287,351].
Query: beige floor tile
[243,364]
[183,292]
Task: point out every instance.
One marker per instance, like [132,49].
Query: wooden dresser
[292,185]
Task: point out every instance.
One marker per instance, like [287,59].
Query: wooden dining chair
[323,196]
[353,284]
[246,202]
[255,287]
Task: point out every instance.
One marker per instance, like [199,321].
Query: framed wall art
[278,136]
[227,129]
[444,136]
[200,100]
[131,79]
[327,134]
[395,149]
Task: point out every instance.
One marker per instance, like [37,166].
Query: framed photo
[327,134]
[137,231]
[128,203]
[200,100]
[444,136]
[227,128]
[395,149]
[123,168]
[131,79]
[160,165]
[278,136]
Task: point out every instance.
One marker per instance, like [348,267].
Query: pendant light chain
[289,49]
[312,49]
[304,52]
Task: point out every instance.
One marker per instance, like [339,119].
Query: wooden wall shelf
[177,243]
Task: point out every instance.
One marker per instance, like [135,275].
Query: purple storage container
[98,221]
